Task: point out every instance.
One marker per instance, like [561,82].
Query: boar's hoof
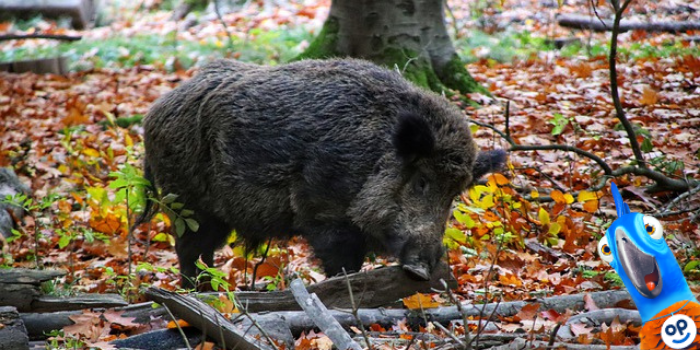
[418,272]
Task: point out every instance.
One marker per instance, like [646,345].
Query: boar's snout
[420,256]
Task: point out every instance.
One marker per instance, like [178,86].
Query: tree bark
[407,35]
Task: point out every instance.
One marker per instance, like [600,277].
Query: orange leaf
[510,279]
[181,323]
[558,197]
[591,206]
[498,179]
[418,301]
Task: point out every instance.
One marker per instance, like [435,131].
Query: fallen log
[598,317]
[297,322]
[81,12]
[13,335]
[60,37]
[47,303]
[605,25]
[379,287]
[521,343]
[20,287]
[202,316]
[52,65]
[374,288]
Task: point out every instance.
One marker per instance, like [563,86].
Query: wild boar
[347,154]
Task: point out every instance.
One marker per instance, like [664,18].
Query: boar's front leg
[211,234]
[338,246]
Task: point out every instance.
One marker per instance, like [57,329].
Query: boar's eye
[421,185]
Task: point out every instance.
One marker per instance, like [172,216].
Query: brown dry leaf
[649,97]
[418,301]
[267,270]
[582,70]
[118,322]
[227,306]
[528,312]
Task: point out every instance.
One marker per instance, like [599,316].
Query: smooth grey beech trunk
[409,35]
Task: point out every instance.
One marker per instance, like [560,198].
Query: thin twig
[683,196]
[467,337]
[244,311]
[354,312]
[454,19]
[450,334]
[223,24]
[255,269]
[177,324]
[614,91]
[553,335]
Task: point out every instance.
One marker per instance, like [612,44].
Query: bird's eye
[653,227]
[604,250]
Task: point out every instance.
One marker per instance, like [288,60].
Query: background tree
[407,34]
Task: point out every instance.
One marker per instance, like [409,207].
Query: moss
[455,76]
[324,45]
[413,67]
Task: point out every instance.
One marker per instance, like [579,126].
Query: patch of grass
[269,47]
[501,47]
[509,45]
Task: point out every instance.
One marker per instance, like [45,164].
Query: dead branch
[378,287]
[321,317]
[603,25]
[60,37]
[598,317]
[204,317]
[520,343]
[298,322]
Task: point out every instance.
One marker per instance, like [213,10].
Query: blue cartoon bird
[634,246]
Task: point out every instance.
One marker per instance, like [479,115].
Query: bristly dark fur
[312,148]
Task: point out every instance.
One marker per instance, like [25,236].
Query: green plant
[37,209]
[58,340]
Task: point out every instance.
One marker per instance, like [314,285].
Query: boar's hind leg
[211,235]
[338,247]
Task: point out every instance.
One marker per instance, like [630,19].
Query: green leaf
[192,224]
[647,146]
[456,235]
[160,237]
[64,241]
[176,205]
[179,227]
[554,228]
[118,183]
[169,198]
[464,219]
[691,265]
[186,212]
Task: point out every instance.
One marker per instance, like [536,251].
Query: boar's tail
[489,161]
[150,191]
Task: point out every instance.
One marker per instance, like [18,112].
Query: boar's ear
[487,162]
[413,138]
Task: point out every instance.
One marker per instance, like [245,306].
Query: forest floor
[531,231]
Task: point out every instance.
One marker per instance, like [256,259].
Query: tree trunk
[407,35]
